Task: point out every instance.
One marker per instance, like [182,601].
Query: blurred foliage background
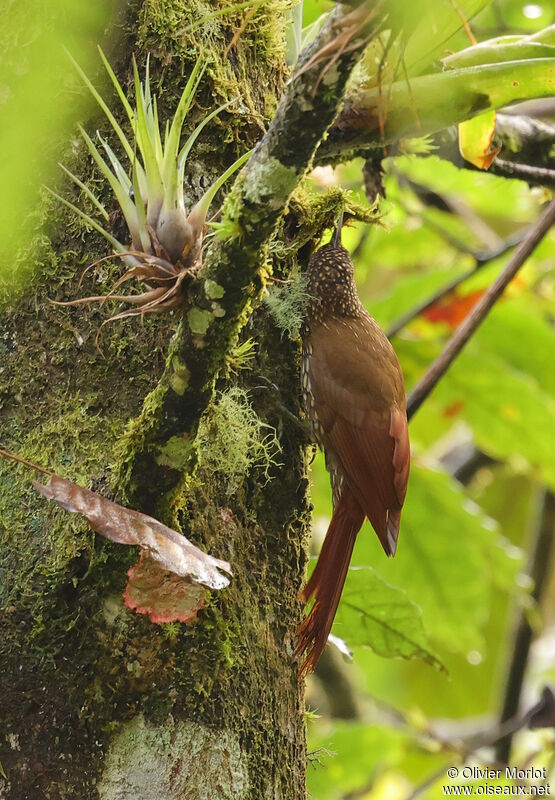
[483,452]
[432,630]
[40,102]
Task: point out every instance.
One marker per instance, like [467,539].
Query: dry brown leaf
[168,547]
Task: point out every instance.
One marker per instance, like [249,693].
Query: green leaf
[155,188]
[445,559]
[495,198]
[437,23]
[510,416]
[429,103]
[87,191]
[517,332]
[104,106]
[118,247]
[132,119]
[173,134]
[140,209]
[504,48]
[121,94]
[199,211]
[185,150]
[352,755]
[372,613]
[119,189]
[119,171]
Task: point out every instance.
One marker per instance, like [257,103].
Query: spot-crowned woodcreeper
[354,397]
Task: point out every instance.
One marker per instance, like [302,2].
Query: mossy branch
[232,279]
[429,103]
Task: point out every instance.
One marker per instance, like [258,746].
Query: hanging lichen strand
[166,240]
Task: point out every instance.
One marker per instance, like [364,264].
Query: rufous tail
[326,582]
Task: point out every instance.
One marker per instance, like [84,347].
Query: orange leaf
[453,309]
[453,409]
[164,596]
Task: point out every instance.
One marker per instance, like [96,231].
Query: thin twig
[238,33]
[14,457]
[481,259]
[475,743]
[526,172]
[467,28]
[540,556]
[473,321]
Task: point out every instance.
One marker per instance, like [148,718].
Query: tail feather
[327,580]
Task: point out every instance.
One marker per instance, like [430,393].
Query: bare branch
[535,176]
[538,569]
[19,460]
[470,325]
[524,141]
[479,741]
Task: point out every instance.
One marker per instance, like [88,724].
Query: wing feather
[361,412]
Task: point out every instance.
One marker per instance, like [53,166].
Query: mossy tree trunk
[98,702]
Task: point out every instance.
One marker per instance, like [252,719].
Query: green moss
[186,30]
[73,444]
[135,438]
[316,211]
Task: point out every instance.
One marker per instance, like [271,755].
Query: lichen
[270,182]
[176,452]
[199,320]
[173,760]
[179,376]
[241,356]
[232,439]
[287,304]
[213,290]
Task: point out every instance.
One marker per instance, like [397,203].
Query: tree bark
[98,702]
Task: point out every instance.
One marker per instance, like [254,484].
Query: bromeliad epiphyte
[166,240]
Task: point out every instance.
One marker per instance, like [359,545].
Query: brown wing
[359,396]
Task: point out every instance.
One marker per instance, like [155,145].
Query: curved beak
[336,238]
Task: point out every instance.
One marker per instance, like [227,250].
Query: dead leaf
[453,309]
[163,595]
[168,547]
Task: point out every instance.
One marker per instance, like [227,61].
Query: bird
[354,398]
